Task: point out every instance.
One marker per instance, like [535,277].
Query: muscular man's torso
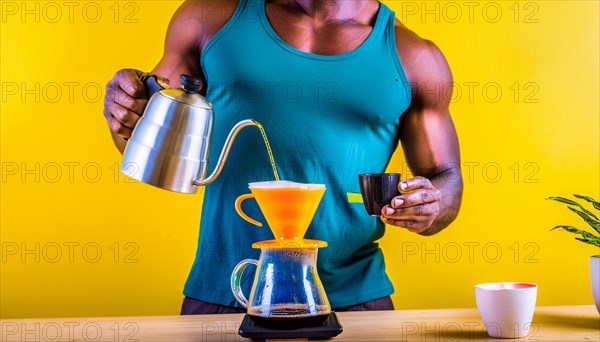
[329,117]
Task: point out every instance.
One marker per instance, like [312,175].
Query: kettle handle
[236,278]
[153,83]
[238,208]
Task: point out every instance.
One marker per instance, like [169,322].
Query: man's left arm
[429,202]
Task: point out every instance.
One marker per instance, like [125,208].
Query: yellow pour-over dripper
[288,208]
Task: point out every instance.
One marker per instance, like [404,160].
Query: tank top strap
[388,20]
[385,16]
[238,15]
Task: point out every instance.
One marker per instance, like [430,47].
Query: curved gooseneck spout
[225,151]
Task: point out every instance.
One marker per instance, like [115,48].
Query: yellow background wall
[79,240]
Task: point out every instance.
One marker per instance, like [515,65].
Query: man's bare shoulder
[422,60]
[203,17]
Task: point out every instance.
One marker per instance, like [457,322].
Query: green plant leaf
[588,216]
[595,242]
[573,203]
[593,223]
[574,230]
[595,203]
[563,200]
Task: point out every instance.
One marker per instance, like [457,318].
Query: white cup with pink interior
[506,308]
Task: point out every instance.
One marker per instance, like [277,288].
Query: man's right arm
[188,32]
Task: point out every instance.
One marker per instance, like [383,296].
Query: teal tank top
[328,118]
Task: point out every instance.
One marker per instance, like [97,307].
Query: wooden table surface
[551,323]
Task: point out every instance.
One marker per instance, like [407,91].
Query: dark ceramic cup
[378,189]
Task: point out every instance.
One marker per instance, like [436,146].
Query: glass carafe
[286,285]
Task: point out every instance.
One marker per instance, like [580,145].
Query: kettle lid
[190,94]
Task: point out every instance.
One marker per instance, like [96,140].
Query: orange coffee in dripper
[287,206]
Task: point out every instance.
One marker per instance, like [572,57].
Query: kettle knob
[190,83]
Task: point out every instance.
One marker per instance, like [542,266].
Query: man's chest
[316,34]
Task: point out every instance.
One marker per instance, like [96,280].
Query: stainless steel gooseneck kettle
[170,144]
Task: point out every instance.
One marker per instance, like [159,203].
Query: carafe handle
[238,208]
[236,279]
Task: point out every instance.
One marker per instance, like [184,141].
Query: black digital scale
[251,328]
